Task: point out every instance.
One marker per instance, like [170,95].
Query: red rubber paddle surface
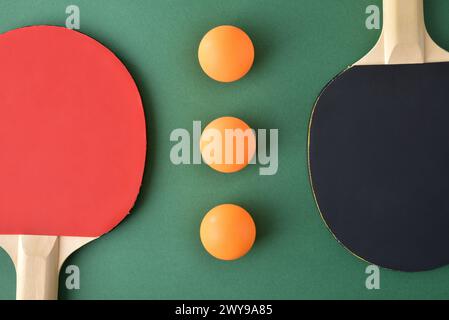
[72,134]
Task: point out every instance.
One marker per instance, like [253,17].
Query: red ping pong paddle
[72,149]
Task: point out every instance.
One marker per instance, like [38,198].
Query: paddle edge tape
[93,235]
[309,166]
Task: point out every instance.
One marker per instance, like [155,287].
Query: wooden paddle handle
[404,31]
[404,38]
[37,267]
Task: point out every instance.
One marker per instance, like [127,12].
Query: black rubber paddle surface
[379,163]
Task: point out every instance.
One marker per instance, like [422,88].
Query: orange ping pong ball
[228,232]
[227,144]
[226,53]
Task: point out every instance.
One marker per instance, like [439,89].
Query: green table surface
[156,252]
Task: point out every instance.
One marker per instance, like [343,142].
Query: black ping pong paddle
[379,148]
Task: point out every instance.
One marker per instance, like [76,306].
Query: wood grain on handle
[404,38]
[38,260]
[404,31]
[37,267]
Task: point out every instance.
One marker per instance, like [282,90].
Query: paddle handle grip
[404,31]
[37,267]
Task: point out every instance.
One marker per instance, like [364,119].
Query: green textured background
[156,252]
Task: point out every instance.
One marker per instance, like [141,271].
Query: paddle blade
[72,134]
[379,163]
